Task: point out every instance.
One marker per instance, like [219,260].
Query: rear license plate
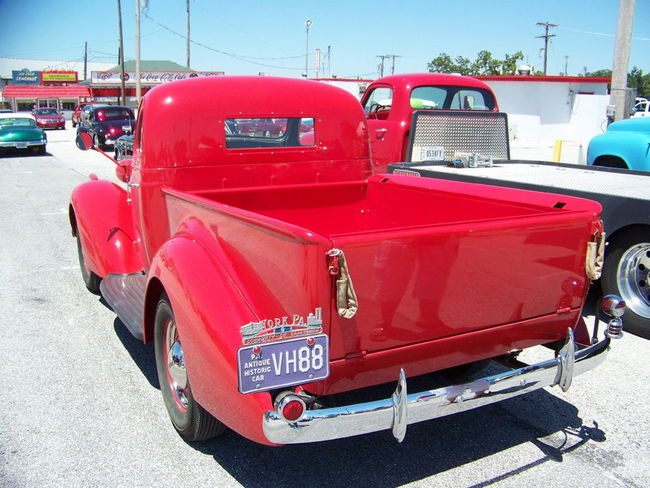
[126,128]
[274,365]
[21,145]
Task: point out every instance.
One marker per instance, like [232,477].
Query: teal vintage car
[19,131]
[626,145]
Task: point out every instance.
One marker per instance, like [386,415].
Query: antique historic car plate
[21,145]
[274,365]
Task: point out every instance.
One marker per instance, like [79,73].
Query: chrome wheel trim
[633,278]
[175,364]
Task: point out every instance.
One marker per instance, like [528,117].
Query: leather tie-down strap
[595,257]
[346,298]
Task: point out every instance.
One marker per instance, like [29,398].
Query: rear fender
[102,219]
[209,311]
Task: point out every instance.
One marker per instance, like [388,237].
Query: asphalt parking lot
[82,406]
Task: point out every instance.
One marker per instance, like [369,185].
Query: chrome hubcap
[633,278]
[177,374]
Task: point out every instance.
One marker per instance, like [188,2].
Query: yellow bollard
[557,152]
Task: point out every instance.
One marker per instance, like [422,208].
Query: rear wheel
[190,419]
[91,280]
[626,272]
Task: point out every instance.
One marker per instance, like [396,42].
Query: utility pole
[546,37]
[381,65]
[566,65]
[86,60]
[121,51]
[329,61]
[619,88]
[392,69]
[187,3]
[138,86]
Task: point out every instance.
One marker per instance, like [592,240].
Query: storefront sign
[147,77]
[26,77]
[59,77]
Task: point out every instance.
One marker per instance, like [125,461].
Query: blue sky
[248,37]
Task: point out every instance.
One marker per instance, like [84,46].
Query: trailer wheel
[626,272]
[91,280]
[190,419]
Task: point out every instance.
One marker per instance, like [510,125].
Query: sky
[251,37]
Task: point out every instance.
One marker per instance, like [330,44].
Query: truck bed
[378,205]
[420,275]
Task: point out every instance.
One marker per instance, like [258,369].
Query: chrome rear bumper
[402,409]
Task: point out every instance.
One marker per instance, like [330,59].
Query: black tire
[626,273]
[91,280]
[74,124]
[191,420]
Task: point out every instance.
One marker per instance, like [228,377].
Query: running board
[125,294]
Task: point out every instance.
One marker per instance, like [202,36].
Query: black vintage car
[106,123]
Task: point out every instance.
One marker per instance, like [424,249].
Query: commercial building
[30,83]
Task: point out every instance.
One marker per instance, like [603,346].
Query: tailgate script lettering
[280,328]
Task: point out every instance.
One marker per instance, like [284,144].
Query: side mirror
[123,170]
[84,141]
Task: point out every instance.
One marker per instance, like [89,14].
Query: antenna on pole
[546,36]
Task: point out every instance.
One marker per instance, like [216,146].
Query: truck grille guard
[404,408]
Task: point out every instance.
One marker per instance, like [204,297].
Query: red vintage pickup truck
[390,102]
[275,272]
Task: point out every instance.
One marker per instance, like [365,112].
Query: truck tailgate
[424,284]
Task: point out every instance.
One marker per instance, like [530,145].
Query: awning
[38,91]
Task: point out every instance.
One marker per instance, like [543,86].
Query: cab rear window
[269,132]
[451,98]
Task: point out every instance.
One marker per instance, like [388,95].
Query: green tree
[445,64]
[601,73]
[484,64]
[509,65]
[636,79]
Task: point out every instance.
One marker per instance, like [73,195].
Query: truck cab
[390,102]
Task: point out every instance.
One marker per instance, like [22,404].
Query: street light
[307,26]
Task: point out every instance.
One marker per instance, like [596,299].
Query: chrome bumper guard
[403,409]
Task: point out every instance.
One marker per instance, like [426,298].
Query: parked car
[641,108]
[5,111]
[624,145]
[49,118]
[106,123]
[123,147]
[19,131]
[76,115]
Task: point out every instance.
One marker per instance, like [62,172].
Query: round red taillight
[290,406]
[293,410]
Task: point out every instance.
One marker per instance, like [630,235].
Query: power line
[245,59]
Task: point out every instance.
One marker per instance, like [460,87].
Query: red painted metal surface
[389,135]
[445,272]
